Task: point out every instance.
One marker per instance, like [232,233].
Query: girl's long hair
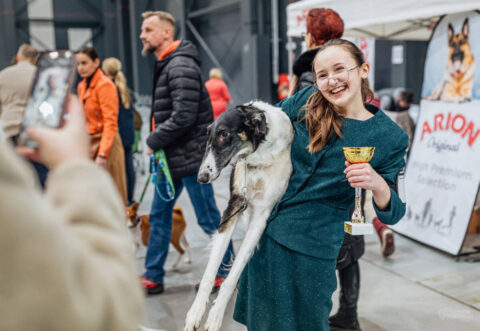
[113,67]
[321,118]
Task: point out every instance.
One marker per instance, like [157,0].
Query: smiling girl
[289,282]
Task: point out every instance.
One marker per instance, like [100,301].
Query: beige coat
[66,262]
[15,84]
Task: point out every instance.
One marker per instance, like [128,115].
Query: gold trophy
[357,225]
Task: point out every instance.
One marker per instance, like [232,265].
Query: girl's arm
[386,202]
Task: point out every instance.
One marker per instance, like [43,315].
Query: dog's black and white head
[235,133]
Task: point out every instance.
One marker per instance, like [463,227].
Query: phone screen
[51,85]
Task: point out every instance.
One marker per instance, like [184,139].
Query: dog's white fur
[268,173]
[135,235]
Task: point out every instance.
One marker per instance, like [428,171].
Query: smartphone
[53,81]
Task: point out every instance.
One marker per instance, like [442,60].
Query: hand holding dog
[59,146]
[364,176]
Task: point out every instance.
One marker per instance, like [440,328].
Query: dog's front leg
[219,247]
[255,230]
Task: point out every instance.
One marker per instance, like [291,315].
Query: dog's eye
[224,134]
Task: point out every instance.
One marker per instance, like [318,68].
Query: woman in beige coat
[66,260]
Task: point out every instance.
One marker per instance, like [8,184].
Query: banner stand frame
[476,249]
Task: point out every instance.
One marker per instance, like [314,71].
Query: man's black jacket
[182,110]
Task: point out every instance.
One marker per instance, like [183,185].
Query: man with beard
[181,112]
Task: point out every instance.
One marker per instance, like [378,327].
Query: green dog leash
[159,169]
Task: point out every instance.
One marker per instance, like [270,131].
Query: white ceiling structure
[390,19]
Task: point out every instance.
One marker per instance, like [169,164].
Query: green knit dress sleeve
[293,105]
[395,209]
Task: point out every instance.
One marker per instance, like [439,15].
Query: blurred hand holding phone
[55,147]
[47,109]
[55,76]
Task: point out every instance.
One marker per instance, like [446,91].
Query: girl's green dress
[289,282]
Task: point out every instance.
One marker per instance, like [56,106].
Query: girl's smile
[338,91]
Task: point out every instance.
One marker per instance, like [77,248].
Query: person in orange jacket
[218,91]
[99,97]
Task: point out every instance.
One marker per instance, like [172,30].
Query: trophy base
[356,229]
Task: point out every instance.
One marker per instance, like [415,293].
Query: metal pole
[181,20]
[275,41]
[133,37]
[290,64]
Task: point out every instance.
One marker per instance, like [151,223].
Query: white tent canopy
[392,19]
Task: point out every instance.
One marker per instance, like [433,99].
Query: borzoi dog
[256,139]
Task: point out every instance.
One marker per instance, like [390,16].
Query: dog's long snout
[203,177]
[457,55]
[208,170]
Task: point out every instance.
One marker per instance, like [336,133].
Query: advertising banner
[443,170]
[443,174]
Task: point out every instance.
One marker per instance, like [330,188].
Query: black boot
[346,317]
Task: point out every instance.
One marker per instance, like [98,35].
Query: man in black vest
[181,112]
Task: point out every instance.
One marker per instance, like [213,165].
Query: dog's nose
[203,177]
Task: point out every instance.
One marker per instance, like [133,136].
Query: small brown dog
[140,227]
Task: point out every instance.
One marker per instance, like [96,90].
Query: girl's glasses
[340,75]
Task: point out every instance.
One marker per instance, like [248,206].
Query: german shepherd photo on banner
[456,83]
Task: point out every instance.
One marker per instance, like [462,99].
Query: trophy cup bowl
[357,225]
[358,154]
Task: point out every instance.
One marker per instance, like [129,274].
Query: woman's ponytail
[113,67]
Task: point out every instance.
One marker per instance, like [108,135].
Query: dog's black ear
[450,32]
[465,28]
[256,125]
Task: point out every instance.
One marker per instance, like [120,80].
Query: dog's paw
[215,317]
[187,260]
[177,261]
[194,315]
